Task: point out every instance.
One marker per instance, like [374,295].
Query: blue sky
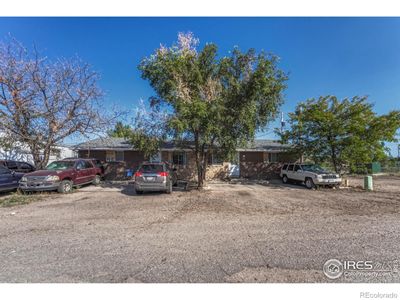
[338,56]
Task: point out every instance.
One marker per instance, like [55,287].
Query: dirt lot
[243,232]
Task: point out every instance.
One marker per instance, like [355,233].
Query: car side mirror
[300,171]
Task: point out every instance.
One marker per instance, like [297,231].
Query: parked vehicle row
[65,174]
[309,174]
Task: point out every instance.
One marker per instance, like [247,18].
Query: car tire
[169,190]
[309,183]
[285,179]
[65,187]
[97,180]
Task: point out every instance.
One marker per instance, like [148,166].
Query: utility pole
[398,152]
[283,123]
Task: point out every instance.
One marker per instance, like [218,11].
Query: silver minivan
[154,177]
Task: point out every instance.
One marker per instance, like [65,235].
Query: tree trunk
[46,157]
[40,162]
[334,160]
[199,166]
[36,158]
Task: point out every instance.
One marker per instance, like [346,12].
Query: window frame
[184,158]
[110,156]
[273,157]
[214,160]
[5,170]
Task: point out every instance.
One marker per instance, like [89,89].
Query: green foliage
[345,133]
[19,199]
[121,131]
[210,100]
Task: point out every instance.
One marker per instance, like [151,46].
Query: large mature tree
[120,130]
[343,133]
[43,102]
[211,101]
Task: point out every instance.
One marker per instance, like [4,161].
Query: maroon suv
[62,176]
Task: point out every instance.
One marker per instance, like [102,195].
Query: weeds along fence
[376,167]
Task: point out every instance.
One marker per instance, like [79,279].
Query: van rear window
[151,168]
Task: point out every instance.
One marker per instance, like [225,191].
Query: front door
[298,173]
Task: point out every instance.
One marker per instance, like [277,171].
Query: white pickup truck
[311,175]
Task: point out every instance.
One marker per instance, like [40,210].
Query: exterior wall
[257,164]
[98,154]
[189,171]
[253,164]
[115,170]
[133,159]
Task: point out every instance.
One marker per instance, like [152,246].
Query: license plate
[150,178]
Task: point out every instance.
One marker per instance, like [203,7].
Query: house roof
[265,145]
[114,143]
[105,143]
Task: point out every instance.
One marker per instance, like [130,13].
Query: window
[290,168]
[12,165]
[120,156]
[60,165]
[297,167]
[24,166]
[179,158]
[88,165]
[284,167]
[273,157]
[151,168]
[156,157]
[4,170]
[214,159]
[80,165]
[110,156]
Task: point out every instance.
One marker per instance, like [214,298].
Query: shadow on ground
[272,183]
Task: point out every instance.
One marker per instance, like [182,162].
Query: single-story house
[256,160]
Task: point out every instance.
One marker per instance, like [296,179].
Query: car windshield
[151,168]
[313,168]
[60,165]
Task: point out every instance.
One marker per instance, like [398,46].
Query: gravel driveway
[243,232]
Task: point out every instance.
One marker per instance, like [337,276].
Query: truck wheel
[285,179]
[65,187]
[309,183]
[96,180]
